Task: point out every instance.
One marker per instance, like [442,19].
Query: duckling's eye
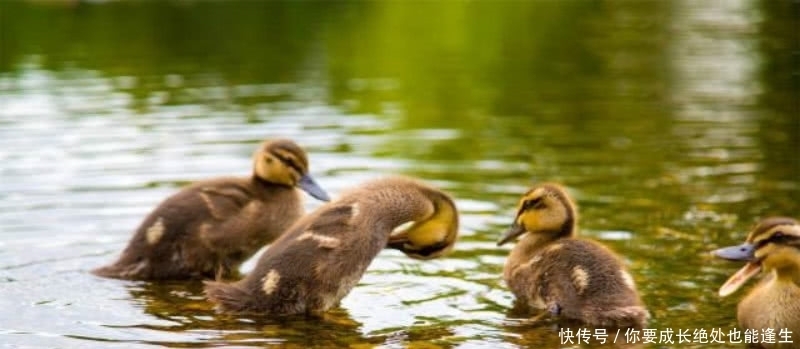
[269,160]
[777,237]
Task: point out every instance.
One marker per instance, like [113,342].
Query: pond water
[674,124]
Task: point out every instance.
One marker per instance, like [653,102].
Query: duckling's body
[323,256]
[576,279]
[551,269]
[210,227]
[774,303]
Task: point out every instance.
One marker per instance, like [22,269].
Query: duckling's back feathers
[319,259]
[585,279]
[310,268]
[209,224]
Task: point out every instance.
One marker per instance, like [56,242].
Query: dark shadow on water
[545,331]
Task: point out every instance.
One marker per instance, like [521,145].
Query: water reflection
[715,83]
[182,309]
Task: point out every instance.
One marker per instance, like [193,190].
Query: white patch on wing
[580,278]
[154,233]
[270,281]
[322,240]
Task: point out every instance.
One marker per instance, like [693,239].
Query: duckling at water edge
[210,227]
[322,257]
[550,268]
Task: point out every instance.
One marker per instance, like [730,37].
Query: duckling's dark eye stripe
[530,203]
[778,238]
[288,162]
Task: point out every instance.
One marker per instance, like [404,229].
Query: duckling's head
[434,233]
[544,211]
[774,244]
[282,161]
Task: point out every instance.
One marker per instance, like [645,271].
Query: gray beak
[743,252]
[312,188]
[512,232]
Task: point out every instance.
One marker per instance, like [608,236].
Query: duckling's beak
[743,252]
[312,188]
[512,232]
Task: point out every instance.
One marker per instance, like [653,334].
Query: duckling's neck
[789,273]
[265,183]
[395,207]
[535,241]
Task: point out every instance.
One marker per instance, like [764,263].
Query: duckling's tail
[121,270]
[107,271]
[227,297]
[629,316]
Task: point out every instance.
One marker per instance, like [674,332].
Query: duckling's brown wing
[224,219]
[224,200]
[195,210]
[590,283]
[241,219]
[173,240]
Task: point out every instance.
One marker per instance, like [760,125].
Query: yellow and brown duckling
[210,227]
[316,263]
[550,268]
[772,247]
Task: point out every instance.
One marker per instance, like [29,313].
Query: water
[673,124]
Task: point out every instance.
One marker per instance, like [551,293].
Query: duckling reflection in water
[551,269]
[772,247]
[180,302]
[323,256]
[211,227]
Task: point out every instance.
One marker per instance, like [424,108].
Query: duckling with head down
[316,263]
[210,227]
[551,269]
[772,247]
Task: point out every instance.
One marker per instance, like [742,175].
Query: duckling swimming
[772,247]
[551,269]
[316,263]
[211,227]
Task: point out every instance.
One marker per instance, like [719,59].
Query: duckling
[316,263]
[550,268]
[211,227]
[772,247]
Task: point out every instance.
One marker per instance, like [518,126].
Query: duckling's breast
[773,304]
